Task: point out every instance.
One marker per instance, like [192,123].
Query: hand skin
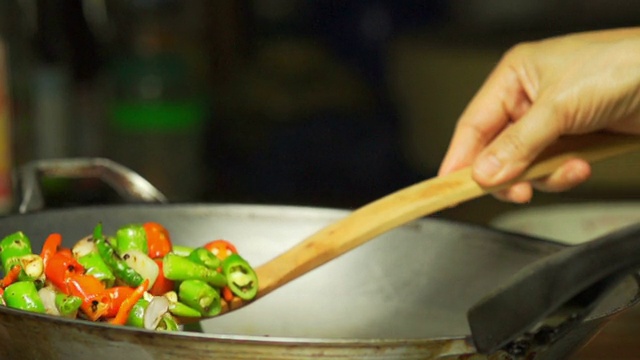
[539,91]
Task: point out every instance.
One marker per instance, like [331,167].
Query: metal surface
[129,184]
[402,296]
[556,293]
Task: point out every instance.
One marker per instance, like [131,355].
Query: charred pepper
[23,295]
[12,247]
[94,265]
[67,305]
[119,268]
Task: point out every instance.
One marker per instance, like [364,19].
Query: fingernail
[487,167]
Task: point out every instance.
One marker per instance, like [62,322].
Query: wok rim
[308,212]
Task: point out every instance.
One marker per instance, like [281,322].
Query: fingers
[517,146]
[571,174]
[499,101]
[518,193]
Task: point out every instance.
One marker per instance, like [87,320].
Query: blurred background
[307,102]
[325,102]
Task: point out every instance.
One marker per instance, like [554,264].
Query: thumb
[513,150]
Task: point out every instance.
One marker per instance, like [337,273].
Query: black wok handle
[128,184]
[562,289]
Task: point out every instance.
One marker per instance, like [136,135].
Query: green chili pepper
[179,268]
[200,296]
[167,323]
[94,265]
[23,295]
[131,237]
[67,305]
[12,247]
[204,257]
[241,278]
[136,316]
[119,268]
[180,309]
[181,250]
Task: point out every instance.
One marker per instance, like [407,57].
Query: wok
[408,290]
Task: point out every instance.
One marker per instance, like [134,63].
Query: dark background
[324,102]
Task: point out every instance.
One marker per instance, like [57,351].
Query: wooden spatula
[416,201]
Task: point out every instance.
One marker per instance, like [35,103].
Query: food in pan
[134,277]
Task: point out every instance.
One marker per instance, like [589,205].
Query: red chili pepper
[66,252]
[128,303]
[117,294]
[158,240]
[50,247]
[11,276]
[221,248]
[60,267]
[162,284]
[95,301]
[227,294]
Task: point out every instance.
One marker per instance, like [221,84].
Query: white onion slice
[158,306]
[142,264]
[32,265]
[48,296]
[84,247]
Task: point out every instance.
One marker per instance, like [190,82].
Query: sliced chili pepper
[12,247]
[67,305]
[200,296]
[136,315]
[241,278]
[95,302]
[11,276]
[94,265]
[204,257]
[128,303]
[181,250]
[158,240]
[131,237]
[182,310]
[118,295]
[227,294]
[167,323]
[162,284]
[179,268]
[120,269]
[221,248]
[23,295]
[66,252]
[60,267]
[51,246]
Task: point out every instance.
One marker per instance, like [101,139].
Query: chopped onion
[158,306]
[32,265]
[48,296]
[83,247]
[142,264]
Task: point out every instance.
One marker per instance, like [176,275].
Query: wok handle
[553,295]
[128,184]
[423,199]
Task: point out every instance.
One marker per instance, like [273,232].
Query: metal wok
[403,295]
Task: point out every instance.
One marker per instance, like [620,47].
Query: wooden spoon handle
[422,199]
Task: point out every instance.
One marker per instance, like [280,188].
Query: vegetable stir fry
[135,277]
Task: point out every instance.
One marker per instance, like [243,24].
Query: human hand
[539,91]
